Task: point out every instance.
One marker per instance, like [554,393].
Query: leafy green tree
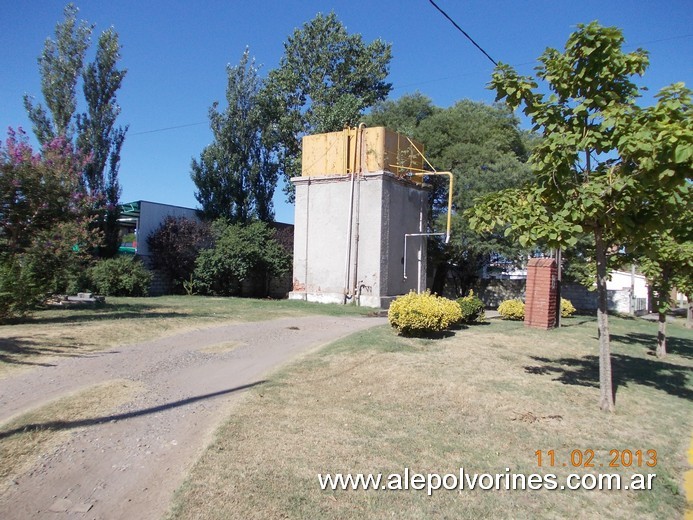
[667,261]
[486,151]
[239,252]
[61,65]
[236,175]
[403,115]
[325,80]
[604,167]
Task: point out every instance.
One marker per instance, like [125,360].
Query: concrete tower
[359,218]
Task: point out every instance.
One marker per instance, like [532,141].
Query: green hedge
[120,276]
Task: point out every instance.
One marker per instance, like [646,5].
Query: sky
[176,53]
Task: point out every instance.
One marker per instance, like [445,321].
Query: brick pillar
[541,294]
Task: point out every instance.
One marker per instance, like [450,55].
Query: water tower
[360,218]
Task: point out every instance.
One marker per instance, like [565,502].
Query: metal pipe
[449,219]
[359,147]
[305,254]
[447,236]
[347,259]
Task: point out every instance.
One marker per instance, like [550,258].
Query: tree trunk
[689,311]
[662,335]
[663,305]
[606,394]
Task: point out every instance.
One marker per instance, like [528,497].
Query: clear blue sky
[176,53]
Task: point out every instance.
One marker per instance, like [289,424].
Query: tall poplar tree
[61,66]
[236,175]
[99,138]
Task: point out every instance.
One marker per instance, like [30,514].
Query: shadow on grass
[435,335]
[12,349]
[678,346]
[584,371]
[67,425]
[576,321]
[102,313]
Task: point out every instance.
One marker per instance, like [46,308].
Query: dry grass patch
[485,399]
[24,438]
[54,333]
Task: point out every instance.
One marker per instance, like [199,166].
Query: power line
[169,128]
[463,32]
[679,37]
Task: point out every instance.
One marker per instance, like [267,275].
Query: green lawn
[485,398]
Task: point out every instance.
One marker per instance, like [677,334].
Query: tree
[604,166]
[45,220]
[239,252]
[176,244]
[403,115]
[667,261]
[99,138]
[324,81]
[61,64]
[237,174]
[486,151]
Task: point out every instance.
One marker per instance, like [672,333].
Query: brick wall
[541,294]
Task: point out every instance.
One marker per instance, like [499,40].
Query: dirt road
[128,463]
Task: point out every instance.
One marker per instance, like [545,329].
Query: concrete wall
[580,296]
[493,292]
[621,280]
[152,214]
[405,210]
[370,265]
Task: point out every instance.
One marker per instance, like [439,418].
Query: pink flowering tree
[45,236]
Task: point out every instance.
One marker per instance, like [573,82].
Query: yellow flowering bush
[567,309]
[420,314]
[512,310]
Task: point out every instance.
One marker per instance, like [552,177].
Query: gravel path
[127,464]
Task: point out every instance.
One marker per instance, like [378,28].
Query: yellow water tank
[361,150]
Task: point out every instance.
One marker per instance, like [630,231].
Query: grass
[485,398]
[75,331]
[22,440]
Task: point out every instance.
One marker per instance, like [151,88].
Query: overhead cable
[463,32]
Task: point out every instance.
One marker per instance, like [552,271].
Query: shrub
[175,245]
[420,314]
[18,292]
[472,309]
[512,310]
[567,309]
[239,252]
[121,276]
